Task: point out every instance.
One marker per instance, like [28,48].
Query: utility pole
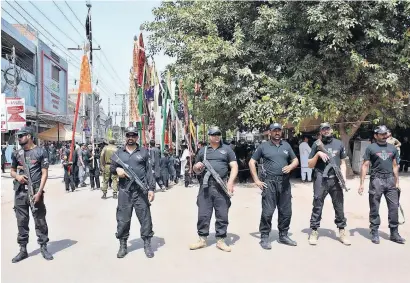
[13,60]
[109,107]
[123,108]
[88,47]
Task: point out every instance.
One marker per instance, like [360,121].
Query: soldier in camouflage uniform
[105,160]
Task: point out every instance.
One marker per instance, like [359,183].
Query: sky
[114,25]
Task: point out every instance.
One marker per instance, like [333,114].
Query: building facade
[41,77]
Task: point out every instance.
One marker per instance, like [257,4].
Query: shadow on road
[273,236]
[136,244]
[323,232]
[365,232]
[56,246]
[230,239]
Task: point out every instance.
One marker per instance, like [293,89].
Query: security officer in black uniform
[384,179]
[323,186]
[279,160]
[36,159]
[134,197]
[155,155]
[221,157]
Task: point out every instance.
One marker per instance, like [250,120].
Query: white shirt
[304,150]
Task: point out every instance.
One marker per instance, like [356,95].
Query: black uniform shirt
[164,164]
[275,157]
[381,157]
[139,162]
[219,158]
[335,148]
[36,159]
[155,156]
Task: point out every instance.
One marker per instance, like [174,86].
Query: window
[55,73]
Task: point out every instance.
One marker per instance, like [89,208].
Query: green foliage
[263,61]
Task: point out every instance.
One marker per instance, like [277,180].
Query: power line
[74,14]
[68,55]
[102,51]
[50,21]
[78,61]
[82,36]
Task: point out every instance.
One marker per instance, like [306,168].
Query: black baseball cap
[324,125]
[214,131]
[25,131]
[381,129]
[132,130]
[275,126]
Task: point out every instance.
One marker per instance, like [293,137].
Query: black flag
[88,32]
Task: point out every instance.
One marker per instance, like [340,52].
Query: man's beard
[275,137]
[131,142]
[382,141]
[23,143]
[327,139]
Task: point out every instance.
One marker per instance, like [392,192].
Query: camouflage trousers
[106,177]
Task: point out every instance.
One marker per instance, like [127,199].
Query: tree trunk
[346,133]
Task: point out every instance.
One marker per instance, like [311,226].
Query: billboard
[15,113]
[53,86]
[3,113]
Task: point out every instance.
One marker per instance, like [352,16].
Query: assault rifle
[30,188]
[218,179]
[402,219]
[331,164]
[131,174]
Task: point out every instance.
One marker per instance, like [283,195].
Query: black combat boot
[21,255]
[375,236]
[265,244]
[395,236]
[45,253]
[114,195]
[147,248]
[122,252]
[104,196]
[284,239]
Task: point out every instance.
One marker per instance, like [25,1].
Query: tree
[260,61]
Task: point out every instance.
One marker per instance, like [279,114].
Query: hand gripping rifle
[131,174]
[31,193]
[332,164]
[218,179]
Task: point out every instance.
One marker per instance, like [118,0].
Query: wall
[53,93]
[25,51]
[25,89]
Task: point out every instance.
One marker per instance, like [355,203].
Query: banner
[85,77]
[15,113]
[3,113]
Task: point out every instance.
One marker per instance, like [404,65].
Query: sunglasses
[131,136]
[216,135]
[21,135]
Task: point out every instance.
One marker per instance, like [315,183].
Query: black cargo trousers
[22,210]
[69,179]
[383,184]
[321,188]
[133,198]
[277,194]
[209,199]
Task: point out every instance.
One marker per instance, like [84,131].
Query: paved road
[82,228]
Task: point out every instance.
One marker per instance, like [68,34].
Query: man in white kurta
[185,154]
[304,150]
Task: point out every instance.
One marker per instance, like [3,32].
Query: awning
[58,133]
